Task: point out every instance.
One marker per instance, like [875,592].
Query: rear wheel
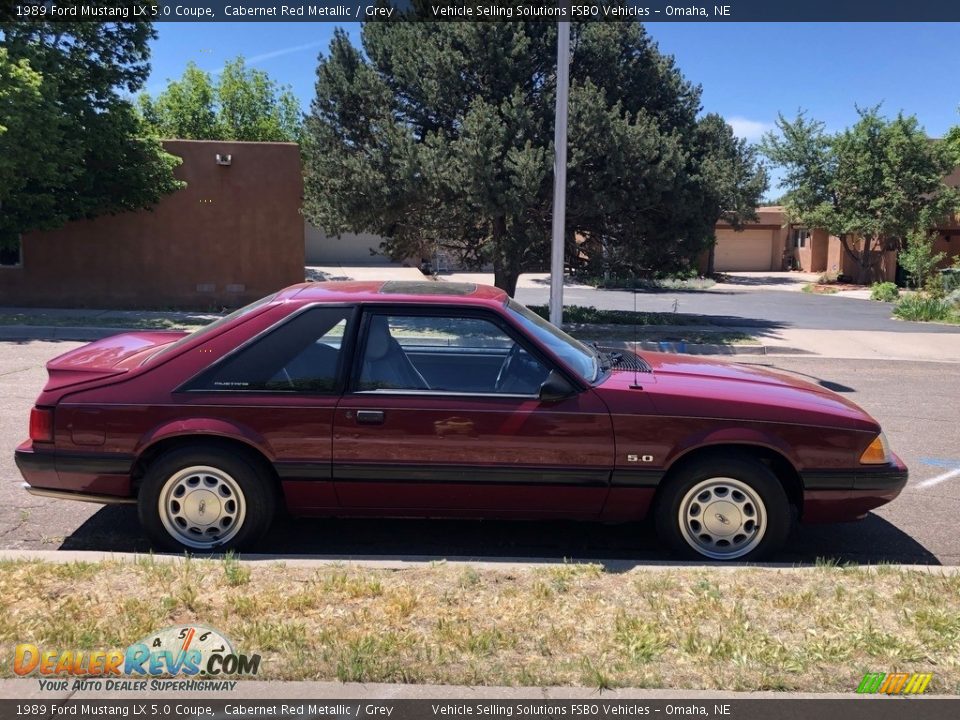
[724,508]
[203,499]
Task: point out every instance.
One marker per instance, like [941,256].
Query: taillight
[41,424]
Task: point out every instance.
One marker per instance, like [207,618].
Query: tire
[204,499]
[723,509]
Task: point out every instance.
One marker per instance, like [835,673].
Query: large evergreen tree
[71,144]
[441,135]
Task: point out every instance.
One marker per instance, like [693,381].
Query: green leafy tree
[243,104]
[440,135]
[871,185]
[953,142]
[918,257]
[71,144]
[186,109]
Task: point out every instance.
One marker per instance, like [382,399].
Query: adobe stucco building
[234,234]
[772,243]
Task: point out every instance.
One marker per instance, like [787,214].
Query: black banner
[593,708]
[341,11]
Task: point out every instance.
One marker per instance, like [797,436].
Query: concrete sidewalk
[849,344]
[259,690]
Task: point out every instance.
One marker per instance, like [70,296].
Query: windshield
[207,329]
[581,358]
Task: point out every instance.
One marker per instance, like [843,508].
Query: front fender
[726,437]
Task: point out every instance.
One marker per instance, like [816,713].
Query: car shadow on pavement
[116,529]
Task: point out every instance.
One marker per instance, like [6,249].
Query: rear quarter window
[303,355]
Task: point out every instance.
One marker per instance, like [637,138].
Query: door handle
[370,417]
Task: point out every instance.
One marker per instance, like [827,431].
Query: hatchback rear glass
[212,327]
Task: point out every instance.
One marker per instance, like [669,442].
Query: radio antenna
[636,331]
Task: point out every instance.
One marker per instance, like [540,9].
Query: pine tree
[440,135]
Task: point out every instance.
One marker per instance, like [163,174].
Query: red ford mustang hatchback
[442,400]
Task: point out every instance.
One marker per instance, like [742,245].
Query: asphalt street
[745,307]
[918,404]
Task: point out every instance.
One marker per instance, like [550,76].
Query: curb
[672,346]
[416,561]
[23,333]
[258,691]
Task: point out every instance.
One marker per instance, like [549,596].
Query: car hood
[691,366]
[693,386]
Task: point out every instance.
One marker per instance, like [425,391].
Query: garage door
[747,250]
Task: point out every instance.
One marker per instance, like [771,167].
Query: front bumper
[844,495]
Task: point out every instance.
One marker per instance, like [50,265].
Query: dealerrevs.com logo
[187,657]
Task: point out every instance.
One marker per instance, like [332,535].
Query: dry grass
[754,629]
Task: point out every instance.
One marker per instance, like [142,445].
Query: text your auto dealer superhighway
[333,11]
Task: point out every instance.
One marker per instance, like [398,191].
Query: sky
[749,72]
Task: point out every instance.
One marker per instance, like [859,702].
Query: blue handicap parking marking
[941,462]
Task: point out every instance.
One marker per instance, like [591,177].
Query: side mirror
[555,388]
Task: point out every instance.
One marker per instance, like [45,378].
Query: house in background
[772,243]
[232,235]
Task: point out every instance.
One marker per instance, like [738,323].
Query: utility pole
[560,171]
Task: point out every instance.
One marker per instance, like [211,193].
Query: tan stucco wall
[232,235]
[345,249]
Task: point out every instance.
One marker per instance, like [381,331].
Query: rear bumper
[844,495]
[90,477]
[81,497]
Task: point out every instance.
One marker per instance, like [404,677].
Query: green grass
[579,314]
[810,629]
[691,337]
[819,289]
[696,284]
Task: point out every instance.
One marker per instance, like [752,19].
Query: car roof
[379,291]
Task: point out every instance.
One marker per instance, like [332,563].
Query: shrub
[951,277]
[884,292]
[953,299]
[922,307]
[935,287]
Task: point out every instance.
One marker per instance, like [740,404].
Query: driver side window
[445,354]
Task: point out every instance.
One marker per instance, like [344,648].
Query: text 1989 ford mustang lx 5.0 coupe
[442,400]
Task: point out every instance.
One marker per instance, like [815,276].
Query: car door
[442,415]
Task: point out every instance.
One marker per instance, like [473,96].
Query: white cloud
[254,59]
[749,129]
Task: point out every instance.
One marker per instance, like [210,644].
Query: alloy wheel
[722,518]
[202,507]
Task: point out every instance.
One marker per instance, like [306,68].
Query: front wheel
[724,509]
[204,500]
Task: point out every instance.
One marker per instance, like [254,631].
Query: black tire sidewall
[752,472]
[255,486]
